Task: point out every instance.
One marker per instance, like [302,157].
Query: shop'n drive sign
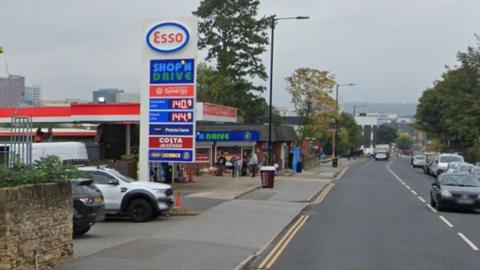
[168,92]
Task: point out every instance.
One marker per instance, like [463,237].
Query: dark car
[455,190]
[88,205]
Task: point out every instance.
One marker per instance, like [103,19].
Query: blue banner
[170,155]
[171,103]
[172,71]
[171,117]
[171,130]
[237,135]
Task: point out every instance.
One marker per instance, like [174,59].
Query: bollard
[178,200]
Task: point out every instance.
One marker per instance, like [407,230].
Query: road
[377,217]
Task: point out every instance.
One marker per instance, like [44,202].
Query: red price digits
[183,104]
[181,117]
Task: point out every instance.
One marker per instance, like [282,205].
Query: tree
[353,138]
[448,111]
[235,40]
[386,134]
[311,90]
[404,142]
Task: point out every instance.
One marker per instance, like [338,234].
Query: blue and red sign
[172,71]
[171,104]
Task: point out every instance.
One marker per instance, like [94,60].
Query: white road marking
[408,187]
[413,191]
[470,243]
[431,208]
[446,221]
[421,199]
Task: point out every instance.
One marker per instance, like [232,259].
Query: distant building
[32,96]
[12,90]
[60,103]
[125,97]
[106,95]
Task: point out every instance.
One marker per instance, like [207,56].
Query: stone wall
[35,219]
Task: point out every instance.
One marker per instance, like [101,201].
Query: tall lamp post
[334,146]
[272,27]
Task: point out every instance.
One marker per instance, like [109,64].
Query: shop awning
[241,144]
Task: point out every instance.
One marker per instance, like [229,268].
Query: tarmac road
[371,220]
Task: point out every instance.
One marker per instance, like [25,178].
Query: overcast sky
[391,49]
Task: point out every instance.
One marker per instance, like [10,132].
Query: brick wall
[35,218]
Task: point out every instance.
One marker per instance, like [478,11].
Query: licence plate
[465,201]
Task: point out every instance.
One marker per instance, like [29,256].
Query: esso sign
[167,37]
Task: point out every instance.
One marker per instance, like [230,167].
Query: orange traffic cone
[178,200]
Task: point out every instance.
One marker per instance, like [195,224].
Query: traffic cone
[178,200]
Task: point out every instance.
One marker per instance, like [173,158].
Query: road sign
[167,127]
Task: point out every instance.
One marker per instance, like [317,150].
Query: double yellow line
[282,244]
[324,193]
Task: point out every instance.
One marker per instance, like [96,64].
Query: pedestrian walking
[221,162]
[253,163]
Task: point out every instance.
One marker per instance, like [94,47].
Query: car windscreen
[420,157]
[448,159]
[476,171]
[121,176]
[462,180]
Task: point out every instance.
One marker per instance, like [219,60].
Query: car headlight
[160,190]
[446,193]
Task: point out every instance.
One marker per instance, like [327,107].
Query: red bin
[267,175]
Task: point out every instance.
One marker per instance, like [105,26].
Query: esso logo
[167,37]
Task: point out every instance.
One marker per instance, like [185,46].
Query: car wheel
[81,232]
[432,202]
[140,210]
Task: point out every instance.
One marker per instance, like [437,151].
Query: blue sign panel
[171,117]
[170,155]
[237,135]
[171,130]
[171,71]
[173,103]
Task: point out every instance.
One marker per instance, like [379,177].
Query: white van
[63,150]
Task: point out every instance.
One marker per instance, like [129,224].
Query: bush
[47,170]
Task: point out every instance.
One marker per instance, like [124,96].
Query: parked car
[427,169]
[88,205]
[139,200]
[415,153]
[475,170]
[455,190]
[419,160]
[459,167]
[440,165]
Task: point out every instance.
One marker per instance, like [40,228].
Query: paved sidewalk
[221,237]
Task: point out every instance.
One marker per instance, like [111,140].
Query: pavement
[377,217]
[237,221]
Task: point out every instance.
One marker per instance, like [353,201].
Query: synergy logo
[167,37]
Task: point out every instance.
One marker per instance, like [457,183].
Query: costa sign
[167,37]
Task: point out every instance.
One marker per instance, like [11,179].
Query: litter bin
[267,176]
[299,167]
[335,162]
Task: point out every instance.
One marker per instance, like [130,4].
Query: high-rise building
[107,95]
[32,96]
[12,90]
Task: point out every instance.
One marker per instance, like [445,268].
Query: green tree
[235,40]
[448,111]
[310,90]
[353,136]
[404,141]
[386,134]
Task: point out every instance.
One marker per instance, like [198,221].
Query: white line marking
[408,187]
[446,221]
[413,191]
[470,243]
[431,208]
[421,199]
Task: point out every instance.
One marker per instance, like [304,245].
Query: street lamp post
[272,27]
[334,144]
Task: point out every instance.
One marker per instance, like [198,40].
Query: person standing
[253,163]
[221,162]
